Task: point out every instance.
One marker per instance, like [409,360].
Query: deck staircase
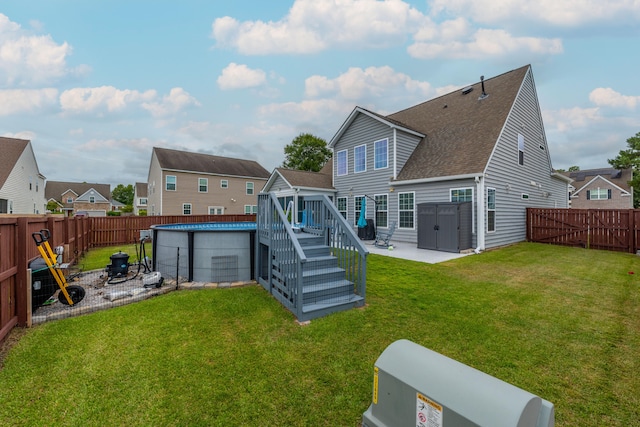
[312,270]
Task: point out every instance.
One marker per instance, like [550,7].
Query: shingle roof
[141,189]
[10,151]
[306,179]
[619,177]
[207,163]
[55,190]
[461,130]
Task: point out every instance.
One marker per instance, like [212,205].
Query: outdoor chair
[383,237]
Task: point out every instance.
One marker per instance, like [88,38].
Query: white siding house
[21,183]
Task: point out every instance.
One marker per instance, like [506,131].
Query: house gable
[22,186]
[91,193]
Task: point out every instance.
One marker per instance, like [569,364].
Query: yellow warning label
[375,385]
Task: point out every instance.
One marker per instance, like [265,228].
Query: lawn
[562,323]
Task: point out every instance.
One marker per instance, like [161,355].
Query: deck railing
[280,258]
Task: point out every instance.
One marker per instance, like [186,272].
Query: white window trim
[346,163]
[166,182]
[494,210]
[246,188]
[363,146]
[376,210]
[346,206]
[224,183]
[206,180]
[210,208]
[356,213]
[473,195]
[375,151]
[414,210]
[251,209]
[520,139]
[190,208]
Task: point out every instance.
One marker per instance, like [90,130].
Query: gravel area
[101,295]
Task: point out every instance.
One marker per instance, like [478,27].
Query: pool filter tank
[415,386]
[119,266]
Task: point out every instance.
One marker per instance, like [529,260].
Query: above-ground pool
[205,252]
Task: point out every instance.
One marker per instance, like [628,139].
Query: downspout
[395,163]
[480,214]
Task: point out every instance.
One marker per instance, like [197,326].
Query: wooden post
[632,232]
[22,278]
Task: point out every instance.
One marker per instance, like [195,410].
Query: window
[224,183]
[462,194]
[216,210]
[250,209]
[142,201]
[360,158]
[381,210]
[405,210]
[491,209]
[249,187]
[341,163]
[30,184]
[203,185]
[381,154]
[520,149]
[342,206]
[171,181]
[69,199]
[92,199]
[359,200]
[186,209]
[599,194]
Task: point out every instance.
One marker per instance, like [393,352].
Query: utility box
[414,386]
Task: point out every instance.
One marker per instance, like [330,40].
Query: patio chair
[383,237]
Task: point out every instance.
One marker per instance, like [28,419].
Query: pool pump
[119,266]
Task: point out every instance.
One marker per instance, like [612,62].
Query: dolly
[69,295]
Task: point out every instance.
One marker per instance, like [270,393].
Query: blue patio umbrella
[362,221]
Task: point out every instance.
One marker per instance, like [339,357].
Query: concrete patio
[411,252]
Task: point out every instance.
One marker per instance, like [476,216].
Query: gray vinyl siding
[405,145]
[25,200]
[511,180]
[280,183]
[363,130]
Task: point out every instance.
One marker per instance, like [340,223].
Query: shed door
[427,226]
[447,217]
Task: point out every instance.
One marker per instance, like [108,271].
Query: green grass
[562,323]
[98,258]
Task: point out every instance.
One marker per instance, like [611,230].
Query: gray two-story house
[453,173]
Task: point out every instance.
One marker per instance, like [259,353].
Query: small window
[92,199]
[203,185]
[224,183]
[216,210]
[341,163]
[360,159]
[249,188]
[461,195]
[171,182]
[520,149]
[142,201]
[406,208]
[381,210]
[491,209]
[381,154]
[525,196]
[342,206]
[599,194]
[69,199]
[250,209]
[186,209]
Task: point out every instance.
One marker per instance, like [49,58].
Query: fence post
[632,232]
[22,303]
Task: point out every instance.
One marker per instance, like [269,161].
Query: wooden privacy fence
[77,235]
[607,229]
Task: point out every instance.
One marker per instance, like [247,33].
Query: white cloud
[101,99]
[27,100]
[28,135]
[316,25]
[360,84]
[239,76]
[177,100]
[27,59]
[607,97]
[568,119]
[482,44]
[558,13]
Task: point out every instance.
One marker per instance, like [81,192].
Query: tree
[52,206]
[306,152]
[574,168]
[123,194]
[630,158]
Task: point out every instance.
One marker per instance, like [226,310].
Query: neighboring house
[605,188]
[184,183]
[21,183]
[117,206]
[140,197]
[484,144]
[90,199]
[291,186]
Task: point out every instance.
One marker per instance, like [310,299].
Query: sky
[95,85]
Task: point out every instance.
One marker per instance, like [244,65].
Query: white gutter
[480,243]
[436,179]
